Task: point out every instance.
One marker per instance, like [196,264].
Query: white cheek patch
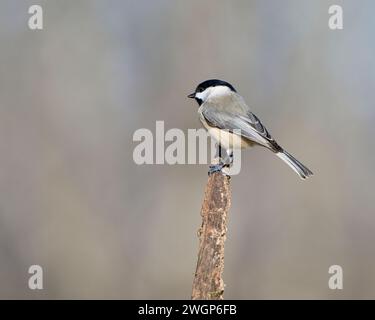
[213,92]
[219,91]
[203,95]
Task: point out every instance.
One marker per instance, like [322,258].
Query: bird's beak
[192,95]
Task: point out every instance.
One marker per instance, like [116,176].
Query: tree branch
[208,283]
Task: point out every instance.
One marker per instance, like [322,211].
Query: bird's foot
[217,168]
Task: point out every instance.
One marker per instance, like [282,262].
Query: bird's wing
[237,115]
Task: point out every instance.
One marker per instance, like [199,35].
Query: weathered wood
[208,283]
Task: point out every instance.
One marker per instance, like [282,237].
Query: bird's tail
[292,162]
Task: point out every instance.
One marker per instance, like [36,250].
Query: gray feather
[233,113]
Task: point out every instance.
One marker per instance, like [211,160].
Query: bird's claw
[217,168]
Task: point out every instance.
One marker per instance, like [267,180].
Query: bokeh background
[73,201]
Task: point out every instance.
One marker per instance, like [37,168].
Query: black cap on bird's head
[208,84]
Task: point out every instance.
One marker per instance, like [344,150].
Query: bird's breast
[227,139]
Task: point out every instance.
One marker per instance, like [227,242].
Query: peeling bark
[208,283]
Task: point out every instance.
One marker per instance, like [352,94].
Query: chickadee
[222,110]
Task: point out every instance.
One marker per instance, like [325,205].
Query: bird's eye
[200,90]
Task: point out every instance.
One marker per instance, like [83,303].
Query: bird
[229,120]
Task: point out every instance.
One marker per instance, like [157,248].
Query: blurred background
[73,201]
